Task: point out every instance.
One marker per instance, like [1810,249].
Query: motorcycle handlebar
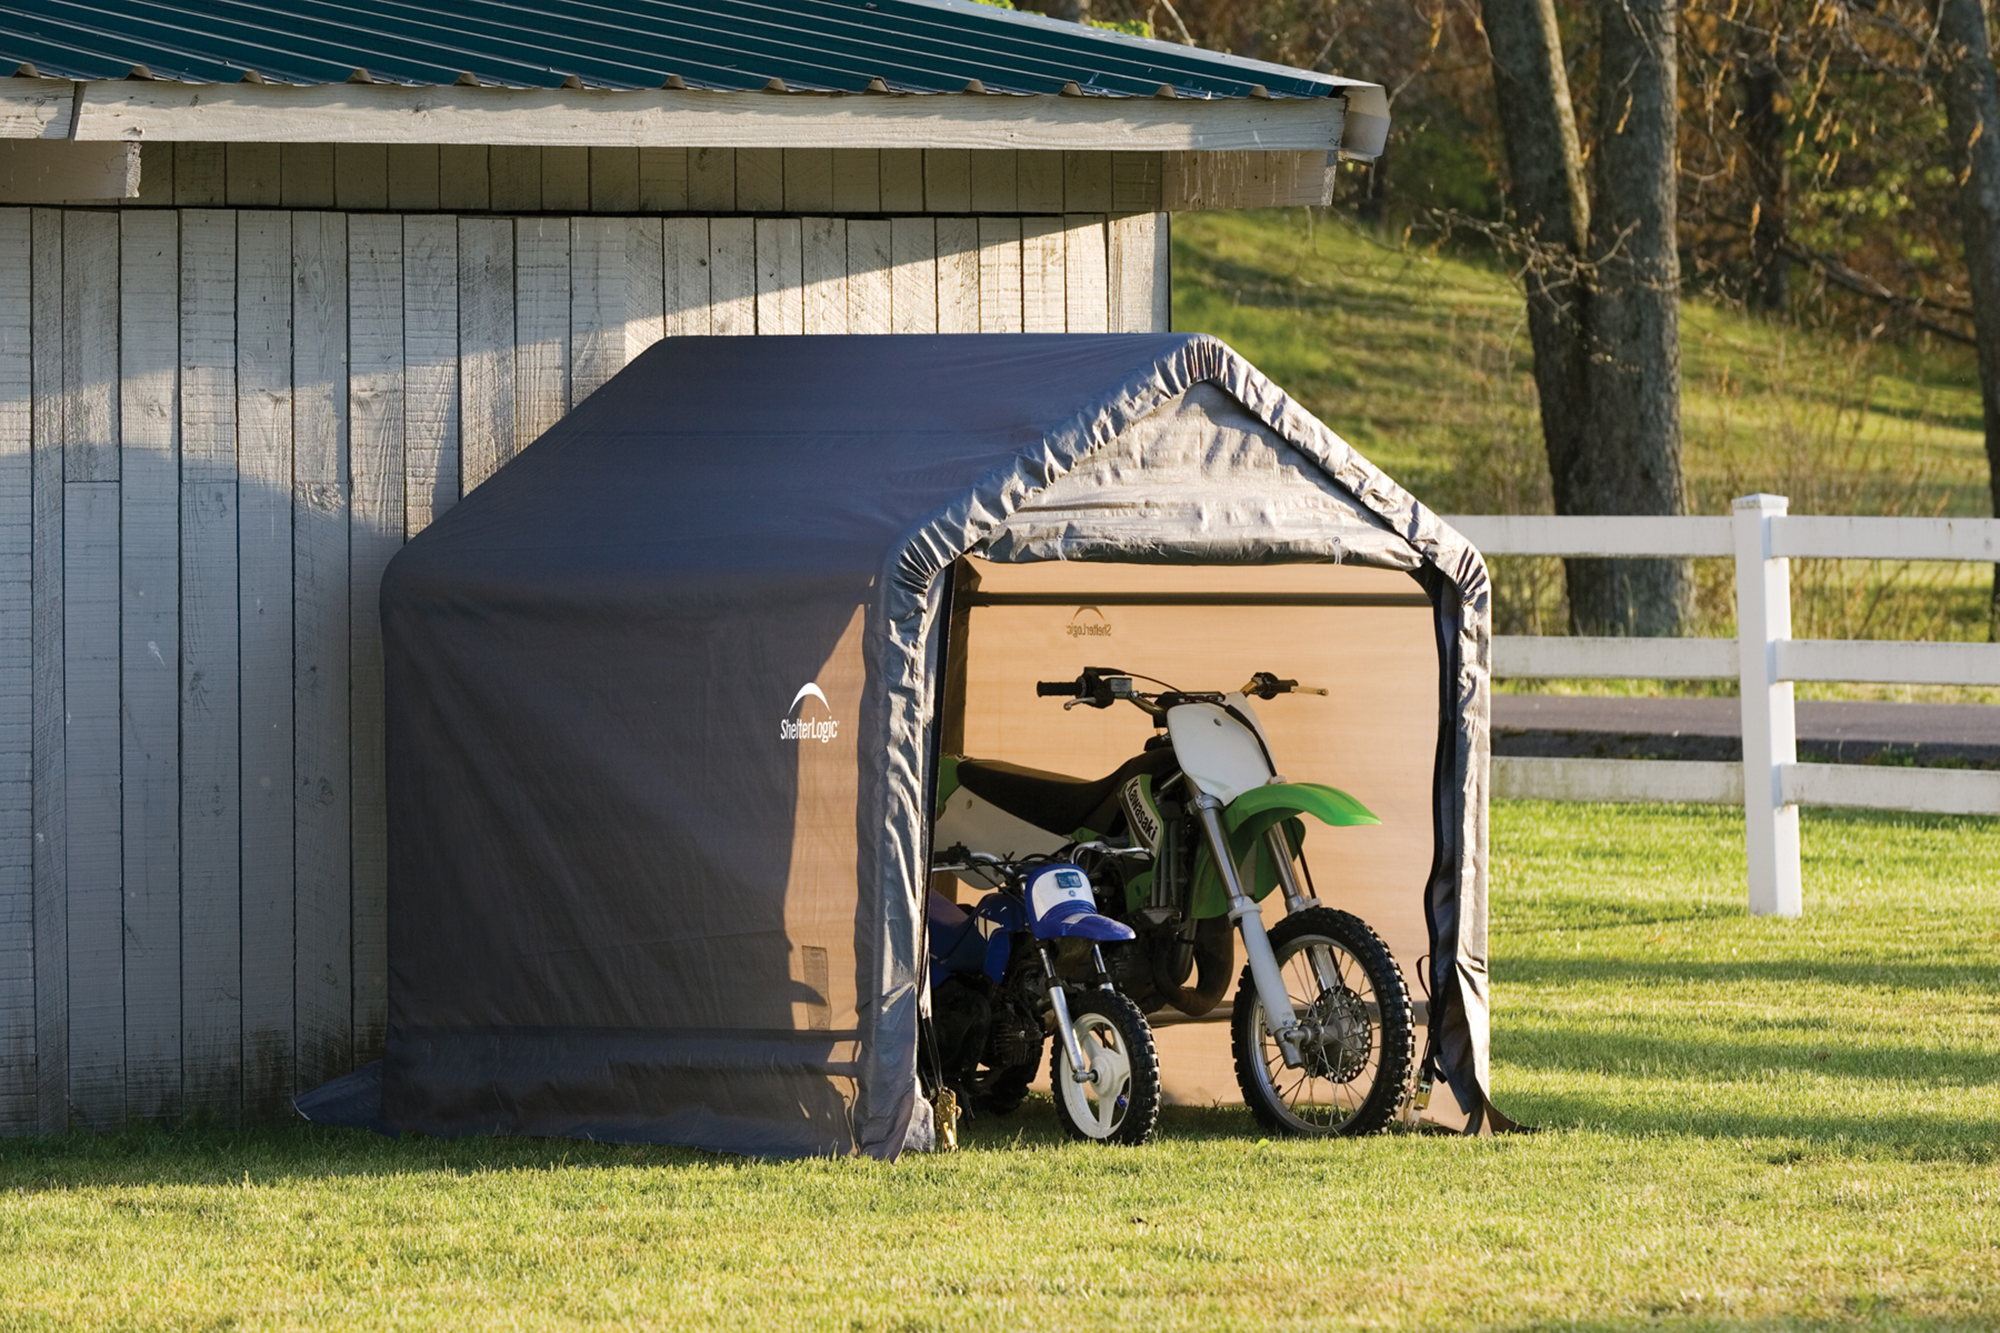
[1056,689]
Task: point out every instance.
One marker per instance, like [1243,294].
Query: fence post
[1770,737]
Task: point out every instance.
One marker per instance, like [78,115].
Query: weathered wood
[463,184]
[415,177]
[614,180]
[361,175]
[305,175]
[54,171]
[808,180]
[485,347]
[823,266]
[597,302]
[156,176]
[430,375]
[732,276]
[902,173]
[1038,182]
[149,653]
[857,180]
[645,311]
[1135,183]
[996,184]
[1086,291]
[663,180]
[780,277]
[375,533]
[1087,182]
[684,274]
[1244,180]
[49,779]
[91,761]
[913,283]
[254,173]
[566,180]
[870,276]
[514,178]
[958,275]
[541,327]
[1042,303]
[1000,275]
[1136,271]
[947,180]
[36,108]
[200,175]
[264,630]
[90,346]
[760,180]
[17,689]
[322,845]
[711,180]
[211,881]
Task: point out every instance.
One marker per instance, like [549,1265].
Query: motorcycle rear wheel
[1358,1062]
[1123,1105]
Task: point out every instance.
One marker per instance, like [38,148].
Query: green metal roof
[931,46]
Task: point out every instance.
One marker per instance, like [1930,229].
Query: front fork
[1279,1017]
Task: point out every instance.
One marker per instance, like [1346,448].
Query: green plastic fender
[1247,818]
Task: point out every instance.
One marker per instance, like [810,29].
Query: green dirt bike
[1183,840]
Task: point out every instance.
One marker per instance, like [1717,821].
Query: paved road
[1547,724]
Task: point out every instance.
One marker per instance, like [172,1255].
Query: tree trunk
[1771,178]
[1972,113]
[1633,462]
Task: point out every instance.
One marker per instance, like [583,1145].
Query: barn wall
[217,424]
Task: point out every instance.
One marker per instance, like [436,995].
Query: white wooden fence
[1764,658]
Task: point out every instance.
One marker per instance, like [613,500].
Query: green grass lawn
[1747,1125]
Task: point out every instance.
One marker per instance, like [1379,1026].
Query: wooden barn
[277,288]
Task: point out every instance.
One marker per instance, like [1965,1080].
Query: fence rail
[1764,659]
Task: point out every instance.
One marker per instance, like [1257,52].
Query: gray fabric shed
[644,885]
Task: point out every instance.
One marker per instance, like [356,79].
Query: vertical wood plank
[322,780]
[711,180]
[1137,274]
[857,180]
[485,347]
[808,180]
[253,172]
[645,285]
[824,274]
[597,302]
[156,176]
[684,277]
[514,178]
[49,787]
[375,533]
[1087,182]
[211,770]
[902,171]
[614,180]
[430,369]
[149,652]
[90,346]
[566,180]
[361,175]
[958,275]
[305,175]
[91,763]
[1086,290]
[913,284]
[49,779]
[732,276]
[1135,182]
[995,188]
[760,180]
[200,175]
[1000,275]
[17,688]
[541,327]
[1042,275]
[870,269]
[663,180]
[264,543]
[780,277]
[947,180]
[415,177]
[1039,182]
[462,178]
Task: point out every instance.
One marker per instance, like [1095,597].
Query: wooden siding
[217,424]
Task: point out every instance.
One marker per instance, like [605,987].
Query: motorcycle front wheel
[1122,1104]
[1351,1000]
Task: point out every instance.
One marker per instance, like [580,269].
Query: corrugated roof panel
[911,45]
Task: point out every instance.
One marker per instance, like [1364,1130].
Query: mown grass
[1421,360]
[1747,1124]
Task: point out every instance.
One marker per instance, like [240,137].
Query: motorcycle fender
[1249,816]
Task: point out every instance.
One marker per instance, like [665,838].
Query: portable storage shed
[663,696]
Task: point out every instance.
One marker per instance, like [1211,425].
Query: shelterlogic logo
[1088,626]
[797,726]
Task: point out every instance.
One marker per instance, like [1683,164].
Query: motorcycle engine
[1014,1039]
